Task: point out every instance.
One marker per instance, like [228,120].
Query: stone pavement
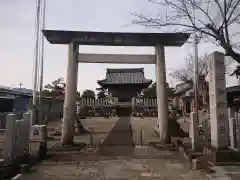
[121,137]
[226,173]
[123,160]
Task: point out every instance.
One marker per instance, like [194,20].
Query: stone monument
[218,151]
[218,102]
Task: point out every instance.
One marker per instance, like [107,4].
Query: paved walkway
[115,159]
[119,141]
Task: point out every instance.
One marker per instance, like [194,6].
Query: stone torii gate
[76,38]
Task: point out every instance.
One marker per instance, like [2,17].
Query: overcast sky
[17,39]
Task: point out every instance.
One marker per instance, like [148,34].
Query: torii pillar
[161,89]
[75,38]
[69,109]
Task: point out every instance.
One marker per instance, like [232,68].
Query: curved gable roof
[125,76]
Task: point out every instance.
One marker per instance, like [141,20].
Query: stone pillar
[232,128]
[20,138]
[206,129]
[69,111]
[26,131]
[218,102]
[10,139]
[162,103]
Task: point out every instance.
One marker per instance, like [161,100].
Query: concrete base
[187,153]
[219,156]
[195,160]
[174,129]
[196,164]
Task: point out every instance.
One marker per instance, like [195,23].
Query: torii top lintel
[115,38]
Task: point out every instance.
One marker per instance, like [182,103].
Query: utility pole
[196,73]
[42,64]
[35,78]
[196,76]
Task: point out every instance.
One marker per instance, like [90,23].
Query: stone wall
[16,138]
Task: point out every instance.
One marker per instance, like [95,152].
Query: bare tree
[215,20]
[186,73]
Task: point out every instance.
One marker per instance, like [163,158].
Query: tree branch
[219,7]
[233,9]
[209,23]
[186,74]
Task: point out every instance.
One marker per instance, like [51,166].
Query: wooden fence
[145,107]
[107,107]
[90,107]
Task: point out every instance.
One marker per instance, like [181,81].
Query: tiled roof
[183,87]
[11,91]
[17,92]
[233,89]
[232,93]
[125,76]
